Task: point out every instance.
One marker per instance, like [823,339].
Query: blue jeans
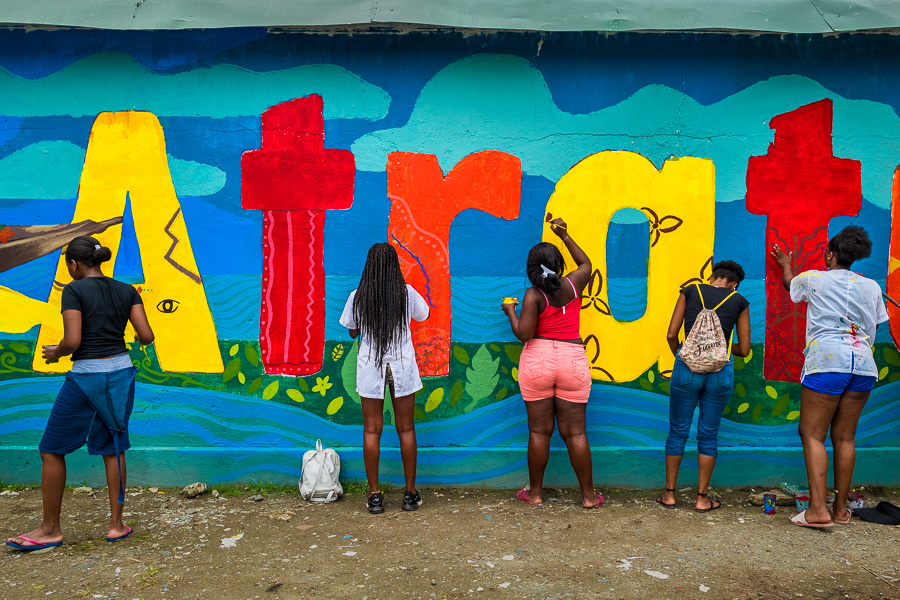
[687,389]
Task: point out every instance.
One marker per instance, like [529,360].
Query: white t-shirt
[402,359]
[842,311]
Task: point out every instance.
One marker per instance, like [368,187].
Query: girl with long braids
[843,310]
[554,373]
[378,312]
[98,389]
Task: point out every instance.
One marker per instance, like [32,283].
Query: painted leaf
[234,350]
[348,372]
[894,378]
[515,373]
[743,407]
[337,352]
[231,370]
[646,385]
[513,351]
[495,347]
[254,385]
[739,390]
[771,392]
[727,410]
[482,376]
[252,355]
[295,395]
[781,405]
[757,412]
[502,393]
[418,415]
[456,393]
[242,378]
[739,364]
[335,405]
[270,391]
[669,223]
[460,354]
[793,415]
[650,376]
[664,386]
[883,373]
[301,383]
[434,399]
[891,356]
[19,347]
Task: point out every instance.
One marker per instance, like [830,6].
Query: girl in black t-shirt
[95,312]
[711,391]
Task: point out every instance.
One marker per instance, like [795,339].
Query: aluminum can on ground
[769,504]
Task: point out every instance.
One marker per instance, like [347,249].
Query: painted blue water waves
[248,437]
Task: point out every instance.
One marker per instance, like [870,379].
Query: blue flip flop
[121,537]
[34,545]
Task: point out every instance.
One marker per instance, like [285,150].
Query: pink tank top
[560,323]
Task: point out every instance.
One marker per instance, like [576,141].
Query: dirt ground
[462,543]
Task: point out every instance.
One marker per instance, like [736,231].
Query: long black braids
[380,305]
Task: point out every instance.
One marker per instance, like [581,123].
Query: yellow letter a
[126,154]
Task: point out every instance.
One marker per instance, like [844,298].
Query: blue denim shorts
[835,384]
[73,423]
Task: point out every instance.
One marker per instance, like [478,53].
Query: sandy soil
[462,543]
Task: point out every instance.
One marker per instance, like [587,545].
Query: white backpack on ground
[320,478]
[705,349]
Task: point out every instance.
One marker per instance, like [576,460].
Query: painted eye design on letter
[167,306]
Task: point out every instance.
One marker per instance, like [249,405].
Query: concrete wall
[661,150]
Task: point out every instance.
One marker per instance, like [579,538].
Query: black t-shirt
[728,313]
[105,305]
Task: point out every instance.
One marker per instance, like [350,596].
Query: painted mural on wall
[239,187]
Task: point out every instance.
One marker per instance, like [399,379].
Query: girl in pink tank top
[554,373]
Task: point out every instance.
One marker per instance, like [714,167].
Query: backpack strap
[703,304]
[733,292]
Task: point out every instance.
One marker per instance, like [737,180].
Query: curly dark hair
[729,270]
[850,245]
[88,251]
[548,255]
[381,301]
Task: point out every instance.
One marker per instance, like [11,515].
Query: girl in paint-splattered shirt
[839,372]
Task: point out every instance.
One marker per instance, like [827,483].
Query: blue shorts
[835,384]
[73,423]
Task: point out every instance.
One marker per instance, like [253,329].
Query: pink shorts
[549,368]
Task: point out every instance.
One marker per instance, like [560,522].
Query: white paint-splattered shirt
[402,358]
[843,309]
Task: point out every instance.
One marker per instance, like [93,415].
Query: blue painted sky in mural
[482,101]
[52,169]
[217,91]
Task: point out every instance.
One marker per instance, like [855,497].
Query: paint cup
[855,501]
[769,503]
[510,301]
[802,502]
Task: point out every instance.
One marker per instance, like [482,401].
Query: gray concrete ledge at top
[779,16]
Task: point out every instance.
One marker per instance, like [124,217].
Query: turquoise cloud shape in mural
[218,92]
[51,170]
[502,102]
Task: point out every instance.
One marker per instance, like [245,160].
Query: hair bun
[101,254]
[553,282]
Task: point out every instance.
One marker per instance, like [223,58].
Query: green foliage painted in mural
[480,374]
[481,378]
[348,372]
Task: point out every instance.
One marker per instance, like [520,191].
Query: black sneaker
[411,501]
[375,503]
